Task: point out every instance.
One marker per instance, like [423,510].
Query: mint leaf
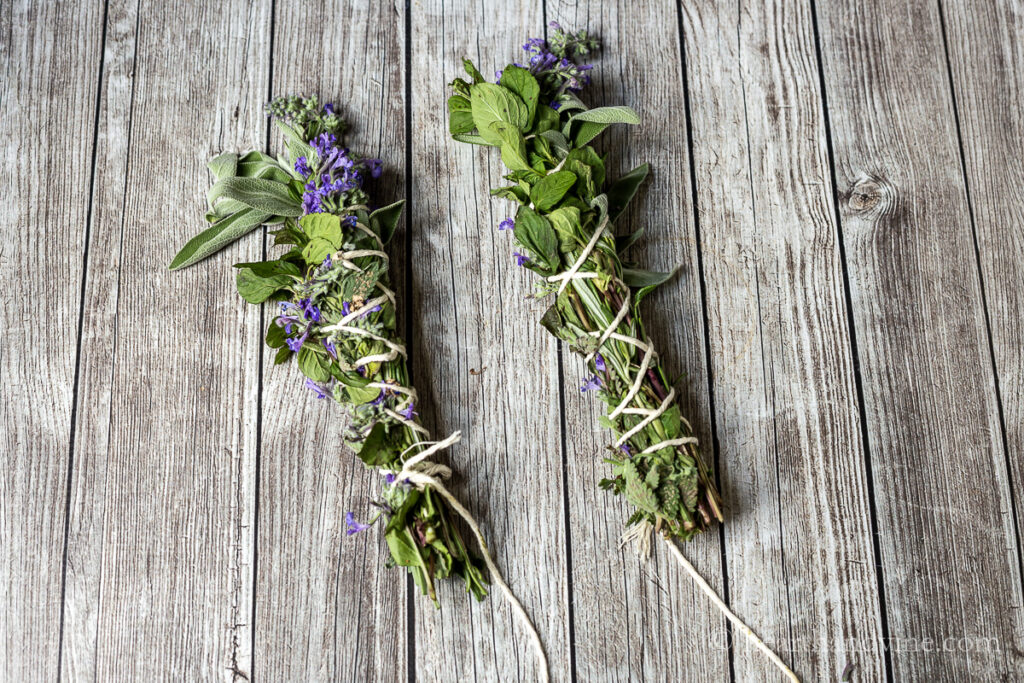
[550,189]
[491,103]
[522,83]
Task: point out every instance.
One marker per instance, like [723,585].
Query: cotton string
[419,470]
[641,532]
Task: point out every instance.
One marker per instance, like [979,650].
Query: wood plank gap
[702,281]
[858,379]
[78,338]
[984,294]
[410,586]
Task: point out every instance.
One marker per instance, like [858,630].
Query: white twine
[641,532]
[421,472]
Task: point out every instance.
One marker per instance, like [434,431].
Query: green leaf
[550,189]
[373,452]
[588,131]
[314,365]
[535,233]
[637,277]
[385,220]
[460,115]
[324,226]
[471,69]
[637,492]
[276,335]
[622,190]
[558,141]
[624,242]
[219,235]
[283,355]
[513,147]
[522,83]
[618,114]
[566,221]
[223,166]
[263,195]
[513,193]
[491,103]
[317,250]
[256,289]
[471,139]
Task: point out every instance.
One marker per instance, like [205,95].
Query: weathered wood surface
[482,363]
[949,556]
[788,425]
[839,182]
[49,59]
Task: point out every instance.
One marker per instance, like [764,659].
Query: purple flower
[380,398]
[368,311]
[497,75]
[409,412]
[320,390]
[346,308]
[535,45]
[352,526]
[349,221]
[296,344]
[375,167]
[329,108]
[302,166]
[310,310]
[506,224]
[389,478]
[331,349]
[599,363]
[323,144]
[327,264]
[625,449]
[521,259]
[311,203]
[555,105]
[591,384]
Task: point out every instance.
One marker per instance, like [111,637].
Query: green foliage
[559,184]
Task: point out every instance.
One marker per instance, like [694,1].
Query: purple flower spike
[591,384]
[320,390]
[506,224]
[331,349]
[329,108]
[625,449]
[521,259]
[599,363]
[302,166]
[352,526]
[389,478]
[409,412]
[296,344]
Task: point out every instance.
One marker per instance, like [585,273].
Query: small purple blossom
[506,224]
[409,411]
[329,108]
[327,264]
[389,478]
[590,384]
[352,526]
[323,144]
[331,349]
[380,398]
[375,167]
[346,308]
[320,390]
[555,105]
[302,166]
[625,449]
[296,344]
[599,363]
[521,259]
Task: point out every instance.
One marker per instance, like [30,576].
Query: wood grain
[326,606]
[482,362]
[160,543]
[948,548]
[637,621]
[985,47]
[798,541]
[50,59]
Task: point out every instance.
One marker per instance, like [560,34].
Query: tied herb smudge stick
[334,316]
[563,231]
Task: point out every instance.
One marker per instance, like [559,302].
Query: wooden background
[840,181]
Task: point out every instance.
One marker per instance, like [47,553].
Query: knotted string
[641,532]
[419,470]
[422,472]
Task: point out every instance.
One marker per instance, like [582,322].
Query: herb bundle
[334,316]
[563,230]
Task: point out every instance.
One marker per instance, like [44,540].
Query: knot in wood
[865,195]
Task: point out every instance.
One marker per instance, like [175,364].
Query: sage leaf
[622,190]
[384,221]
[267,196]
[219,235]
[618,114]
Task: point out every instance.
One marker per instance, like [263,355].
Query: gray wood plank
[636,621]
[326,606]
[159,577]
[985,42]
[482,362]
[50,60]
[949,560]
[798,542]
